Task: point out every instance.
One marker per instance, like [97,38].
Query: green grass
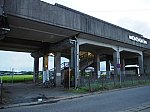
[79,90]
[17,78]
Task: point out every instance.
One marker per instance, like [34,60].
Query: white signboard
[58,74]
[137,39]
[45,76]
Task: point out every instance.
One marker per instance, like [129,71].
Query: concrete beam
[36,10]
[52,48]
[130,50]
[86,41]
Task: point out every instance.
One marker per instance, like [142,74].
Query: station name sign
[137,39]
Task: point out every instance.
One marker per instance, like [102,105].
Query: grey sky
[130,14]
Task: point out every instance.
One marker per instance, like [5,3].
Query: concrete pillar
[140,61]
[116,62]
[57,70]
[75,61]
[45,62]
[123,67]
[107,65]
[108,68]
[36,69]
[45,69]
[72,58]
[97,65]
[77,53]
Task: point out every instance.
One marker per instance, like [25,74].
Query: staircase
[86,60]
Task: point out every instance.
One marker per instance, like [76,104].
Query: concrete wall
[68,18]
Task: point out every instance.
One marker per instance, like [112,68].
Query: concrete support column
[72,58]
[57,68]
[75,61]
[45,69]
[108,67]
[36,69]
[97,65]
[123,67]
[140,61]
[116,62]
[77,53]
[45,62]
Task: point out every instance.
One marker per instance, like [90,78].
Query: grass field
[16,78]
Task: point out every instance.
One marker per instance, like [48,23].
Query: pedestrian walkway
[29,92]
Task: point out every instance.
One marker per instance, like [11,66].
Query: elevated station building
[40,28]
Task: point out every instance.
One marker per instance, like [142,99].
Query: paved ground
[114,101]
[29,92]
[139,108]
[146,110]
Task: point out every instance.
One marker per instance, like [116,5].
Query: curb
[70,97]
[42,102]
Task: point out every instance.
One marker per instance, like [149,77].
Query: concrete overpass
[41,28]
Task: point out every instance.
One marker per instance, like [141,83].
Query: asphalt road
[105,102]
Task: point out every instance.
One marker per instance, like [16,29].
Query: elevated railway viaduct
[40,28]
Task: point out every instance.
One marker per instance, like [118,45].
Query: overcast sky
[130,14]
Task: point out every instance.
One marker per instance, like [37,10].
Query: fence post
[138,79]
[1,99]
[123,80]
[102,83]
[132,79]
[145,78]
[89,84]
[114,80]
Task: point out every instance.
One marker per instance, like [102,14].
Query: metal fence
[93,83]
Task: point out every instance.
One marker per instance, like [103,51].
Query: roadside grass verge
[16,78]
